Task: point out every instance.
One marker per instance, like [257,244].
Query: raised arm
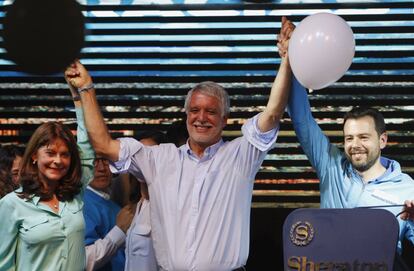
[78,78]
[279,93]
[87,154]
[314,143]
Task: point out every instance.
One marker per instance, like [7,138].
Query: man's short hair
[213,89]
[360,112]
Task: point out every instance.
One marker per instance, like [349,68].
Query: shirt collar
[389,168]
[35,199]
[384,177]
[100,193]
[209,152]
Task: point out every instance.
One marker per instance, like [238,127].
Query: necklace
[51,204]
[55,205]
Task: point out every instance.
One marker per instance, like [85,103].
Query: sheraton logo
[301,263]
[301,233]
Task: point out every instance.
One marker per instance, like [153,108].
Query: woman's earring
[34,162]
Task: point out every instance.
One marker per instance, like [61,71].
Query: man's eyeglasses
[97,160]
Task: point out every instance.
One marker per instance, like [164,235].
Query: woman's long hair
[29,178]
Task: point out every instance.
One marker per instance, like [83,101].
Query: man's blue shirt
[340,185]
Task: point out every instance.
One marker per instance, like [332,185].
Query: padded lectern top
[340,239]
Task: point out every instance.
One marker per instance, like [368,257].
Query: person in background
[133,186]
[106,223]
[139,247]
[105,237]
[10,158]
[201,192]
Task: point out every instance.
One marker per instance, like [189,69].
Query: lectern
[340,239]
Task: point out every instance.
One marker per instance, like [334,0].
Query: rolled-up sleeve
[129,146]
[129,158]
[261,140]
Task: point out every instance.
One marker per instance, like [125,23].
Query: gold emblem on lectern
[301,233]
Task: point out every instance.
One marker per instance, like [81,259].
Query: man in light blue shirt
[359,176]
[200,192]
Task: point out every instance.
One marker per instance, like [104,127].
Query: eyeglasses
[100,160]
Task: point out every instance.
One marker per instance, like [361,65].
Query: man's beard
[364,166]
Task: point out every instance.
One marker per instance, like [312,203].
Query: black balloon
[43,36]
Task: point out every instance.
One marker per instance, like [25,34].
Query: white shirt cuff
[117,236]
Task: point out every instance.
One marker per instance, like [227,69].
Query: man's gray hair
[213,89]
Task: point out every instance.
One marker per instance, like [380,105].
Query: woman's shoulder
[12,195]
[11,199]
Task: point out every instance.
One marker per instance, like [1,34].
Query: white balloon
[321,50]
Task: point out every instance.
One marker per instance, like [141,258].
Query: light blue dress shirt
[200,208]
[33,237]
[340,185]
